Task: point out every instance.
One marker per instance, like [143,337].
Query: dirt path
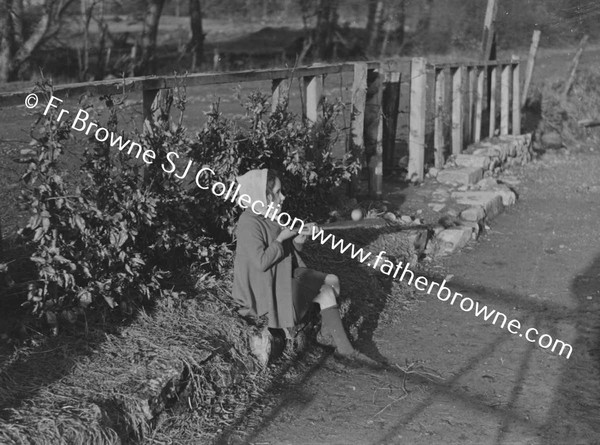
[540,263]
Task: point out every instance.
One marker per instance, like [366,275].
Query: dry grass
[109,387]
[181,373]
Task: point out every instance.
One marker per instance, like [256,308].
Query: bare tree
[16,48]
[147,63]
[87,12]
[400,20]
[327,17]
[196,43]
[374,24]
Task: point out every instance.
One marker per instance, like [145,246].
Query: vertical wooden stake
[457,110]
[149,102]
[416,140]
[156,106]
[470,113]
[357,119]
[313,89]
[374,132]
[504,98]
[574,65]
[535,41]
[279,92]
[488,40]
[376,165]
[516,97]
[493,85]
[389,108]
[439,141]
[479,104]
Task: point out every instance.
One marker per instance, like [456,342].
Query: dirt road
[539,263]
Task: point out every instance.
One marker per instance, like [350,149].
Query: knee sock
[332,324]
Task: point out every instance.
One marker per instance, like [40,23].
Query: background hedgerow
[122,233]
[562,115]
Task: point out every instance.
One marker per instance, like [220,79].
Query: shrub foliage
[123,233]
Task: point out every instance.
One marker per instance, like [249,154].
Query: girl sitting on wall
[271,278]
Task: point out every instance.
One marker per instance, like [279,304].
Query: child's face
[277,196]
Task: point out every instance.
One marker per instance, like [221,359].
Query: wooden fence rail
[455,97]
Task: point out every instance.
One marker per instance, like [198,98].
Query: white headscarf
[254,184]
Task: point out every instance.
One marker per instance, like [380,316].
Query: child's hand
[309,229]
[300,239]
[286,234]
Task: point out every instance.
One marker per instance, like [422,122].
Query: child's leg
[331,320]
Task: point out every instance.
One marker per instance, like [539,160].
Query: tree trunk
[15,52]
[400,22]
[326,26]
[197,42]
[8,42]
[375,27]
[148,61]
[371,12]
[87,10]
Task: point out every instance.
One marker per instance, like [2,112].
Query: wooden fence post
[488,41]
[516,97]
[535,41]
[504,98]
[573,69]
[389,107]
[279,92]
[313,89]
[492,88]
[156,106]
[439,140]
[416,140]
[374,132]
[457,110]
[469,105]
[479,104]
[357,119]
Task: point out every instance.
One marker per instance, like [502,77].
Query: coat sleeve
[262,255]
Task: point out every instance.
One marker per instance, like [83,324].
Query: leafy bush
[300,152]
[122,234]
[563,116]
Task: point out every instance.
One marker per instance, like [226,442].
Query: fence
[456,99]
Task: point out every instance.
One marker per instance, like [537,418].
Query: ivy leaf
[110,301]
[39,233]
[80,222]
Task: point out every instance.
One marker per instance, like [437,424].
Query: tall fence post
[439,140]
[313,89]
[492,89]
[457,110]
[374,131]
[357,119]
[416,140]
[469,104]
[504,98]
[389,107]
[516,97]
[535,41]
[156,105]
[479,104]
[279,92]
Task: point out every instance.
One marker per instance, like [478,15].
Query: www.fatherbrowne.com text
[230,192]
